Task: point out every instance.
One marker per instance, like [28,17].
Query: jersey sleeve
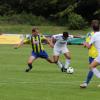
[43,37]
[92,40]
[70,36]
[57,37]
[88,37]
[27,39]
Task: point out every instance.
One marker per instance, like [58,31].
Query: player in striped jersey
[37,48]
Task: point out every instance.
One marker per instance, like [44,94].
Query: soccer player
[37,48]
[60,47]
[93,53]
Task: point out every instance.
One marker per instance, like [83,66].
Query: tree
[87,8]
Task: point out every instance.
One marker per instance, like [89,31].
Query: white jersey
[60,46]
[96,41]
[60,42]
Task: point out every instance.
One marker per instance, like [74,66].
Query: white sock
[67,63]
[59,64]
[96,72]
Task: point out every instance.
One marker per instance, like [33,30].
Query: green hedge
[24,19]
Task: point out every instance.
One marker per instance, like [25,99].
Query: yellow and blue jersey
[92,51]
[36,42]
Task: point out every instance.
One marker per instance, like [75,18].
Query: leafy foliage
[57,10]
[76,21]
[24,19]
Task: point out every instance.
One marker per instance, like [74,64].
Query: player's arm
[87,40]
[53,40]
[74,36]
[78,36]
[89,44]
[19,45]
[23,41]
[49,42]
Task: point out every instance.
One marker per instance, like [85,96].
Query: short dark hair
[95,25]
[34,29]
[65,34]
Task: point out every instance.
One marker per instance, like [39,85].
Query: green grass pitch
[45,81]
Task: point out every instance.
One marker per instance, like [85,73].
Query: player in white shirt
[96,41]
[92,52]
[60,47]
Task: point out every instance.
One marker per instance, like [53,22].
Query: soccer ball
[70,70]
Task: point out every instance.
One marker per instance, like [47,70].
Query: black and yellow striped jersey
[36,42]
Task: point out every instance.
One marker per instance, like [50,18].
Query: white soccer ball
[70,70]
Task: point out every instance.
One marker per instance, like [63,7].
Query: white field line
[50,83]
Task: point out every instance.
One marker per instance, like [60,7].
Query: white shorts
[58,51]
[97,59]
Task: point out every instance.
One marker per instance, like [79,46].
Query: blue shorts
[91,60]
[41,54]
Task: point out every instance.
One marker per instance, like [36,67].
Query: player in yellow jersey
[37,48]
[92,53]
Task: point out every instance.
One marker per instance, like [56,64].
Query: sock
[67,63]
[30,66]
[96,72]
[59,64]
[89,77]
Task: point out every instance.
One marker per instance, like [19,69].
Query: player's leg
[30,60]
[56,53]
[89,75]
[88,79]
[68,59]
[67,55]
[95,71]
[43,54]
[54,59]
[93,66]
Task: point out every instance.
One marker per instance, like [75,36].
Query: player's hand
[52,46]
[84,44]
[15,47]
[82,37]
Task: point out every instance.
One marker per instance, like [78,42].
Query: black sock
[30,66]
